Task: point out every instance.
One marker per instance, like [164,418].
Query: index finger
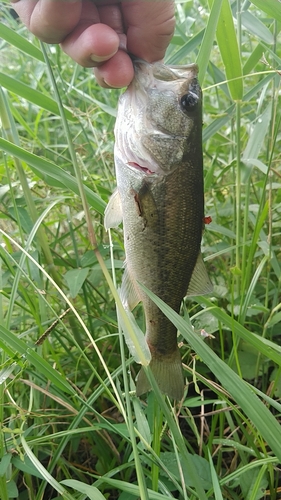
[49,20]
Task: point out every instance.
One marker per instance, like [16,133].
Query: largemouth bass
[159,197]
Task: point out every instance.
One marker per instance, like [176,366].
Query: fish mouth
[140,168]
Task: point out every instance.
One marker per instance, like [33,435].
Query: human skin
[100,33]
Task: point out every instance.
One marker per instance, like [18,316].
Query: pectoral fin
[113,215]
[200,283]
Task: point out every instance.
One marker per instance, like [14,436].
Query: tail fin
[167,371]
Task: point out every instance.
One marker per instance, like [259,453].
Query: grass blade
[91,492]
[18,346]
[32,95]
[50,172]
[208,39]
[270,7]
[266,347]
[227,41]
[216,486]
[41,469]
[20,42]
[188,47]
[255,26]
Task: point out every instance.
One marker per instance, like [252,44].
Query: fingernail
[112,86]
[99,59]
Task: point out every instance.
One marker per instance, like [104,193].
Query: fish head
[158,115]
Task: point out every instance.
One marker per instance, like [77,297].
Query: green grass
[71,425]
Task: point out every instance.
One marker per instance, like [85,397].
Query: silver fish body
[159,170]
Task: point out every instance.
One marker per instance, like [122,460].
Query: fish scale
[159,170]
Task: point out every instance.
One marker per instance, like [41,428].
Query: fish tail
[167,370]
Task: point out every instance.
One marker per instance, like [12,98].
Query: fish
[160,199]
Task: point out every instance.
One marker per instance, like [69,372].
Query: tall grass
[71,425]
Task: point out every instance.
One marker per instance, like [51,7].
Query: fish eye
[189,101]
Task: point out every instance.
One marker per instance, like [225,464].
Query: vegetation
[72,427]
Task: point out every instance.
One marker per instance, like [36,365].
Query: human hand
[99,33]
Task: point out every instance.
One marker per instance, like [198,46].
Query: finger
[49,20]
[118,72]
[91,45]
[112,16]
[150,27]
